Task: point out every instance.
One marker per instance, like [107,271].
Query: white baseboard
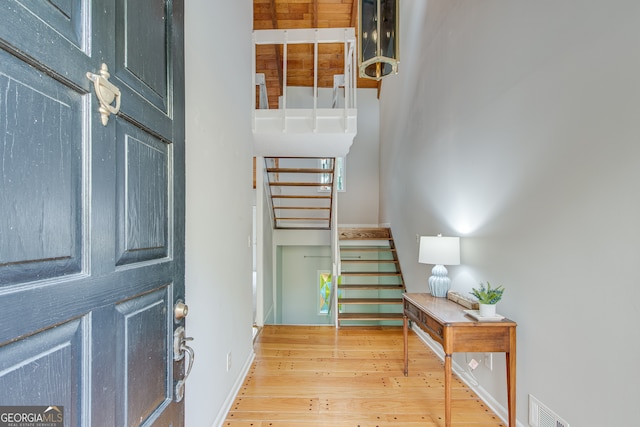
[487,398]
[222,415]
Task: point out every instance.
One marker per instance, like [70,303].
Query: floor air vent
[541,416]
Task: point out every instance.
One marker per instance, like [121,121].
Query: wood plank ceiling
[290,14]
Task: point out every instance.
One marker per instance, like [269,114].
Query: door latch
[180,348]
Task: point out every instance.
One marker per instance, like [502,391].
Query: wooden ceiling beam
[315,14]
[354,14]
[274,22]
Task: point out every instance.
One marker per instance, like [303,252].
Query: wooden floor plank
[348,377]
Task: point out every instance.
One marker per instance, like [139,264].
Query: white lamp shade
[439,250]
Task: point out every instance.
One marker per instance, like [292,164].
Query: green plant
[487,295]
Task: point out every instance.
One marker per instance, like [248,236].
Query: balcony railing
[315,130]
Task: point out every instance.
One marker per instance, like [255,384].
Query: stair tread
[299,170]
[370,286]
[367,249]
[365,233]
[298,196]
[298,184]
[369,300]
[309,208]
[301,219]
[370,273]
[370,316]
[364,238]
[300,227]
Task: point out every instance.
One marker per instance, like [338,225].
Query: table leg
[447,390]
[405,328]
[511,378]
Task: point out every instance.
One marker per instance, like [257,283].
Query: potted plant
[488,297]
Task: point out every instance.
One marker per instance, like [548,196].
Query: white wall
[516,125]
[289,249]
[359,203]
[300,284]
[219,201]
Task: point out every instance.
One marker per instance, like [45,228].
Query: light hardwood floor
[349,377]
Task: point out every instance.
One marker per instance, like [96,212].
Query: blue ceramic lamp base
[439,282]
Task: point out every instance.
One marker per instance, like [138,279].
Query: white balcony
[324,122]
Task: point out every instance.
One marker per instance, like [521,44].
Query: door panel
[46,368]
[145,61]
[45,37]
[143,194]
[142,27]
[41,174]
[144,362]
[63,16]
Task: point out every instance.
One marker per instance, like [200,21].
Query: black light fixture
[378,38]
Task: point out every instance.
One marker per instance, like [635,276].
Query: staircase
[371,286]
[301,191]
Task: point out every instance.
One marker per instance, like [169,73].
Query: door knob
[180,310]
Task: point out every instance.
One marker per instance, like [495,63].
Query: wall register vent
[541,416]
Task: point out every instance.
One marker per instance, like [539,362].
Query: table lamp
[439,251]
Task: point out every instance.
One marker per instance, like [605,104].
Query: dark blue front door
[91,216]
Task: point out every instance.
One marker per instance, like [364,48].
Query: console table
[447,323]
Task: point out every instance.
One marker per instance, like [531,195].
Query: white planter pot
[487,310]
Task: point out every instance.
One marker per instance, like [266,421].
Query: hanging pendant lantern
[378,38]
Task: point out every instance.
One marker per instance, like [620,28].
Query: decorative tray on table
[476,315]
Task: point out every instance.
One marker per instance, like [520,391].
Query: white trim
[487,398]
[267,314]
[231,397]
[305,35]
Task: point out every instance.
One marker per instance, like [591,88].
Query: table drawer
[426,323]
[412,312]
[434,328]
